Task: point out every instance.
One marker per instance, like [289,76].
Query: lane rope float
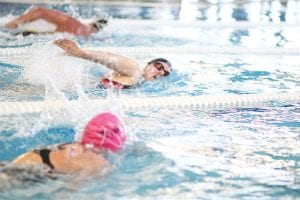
[280,51]
[204,102]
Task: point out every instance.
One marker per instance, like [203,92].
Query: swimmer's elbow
[137,74]
[125,66]
[134,70]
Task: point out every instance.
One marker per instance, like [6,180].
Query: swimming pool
[238,153]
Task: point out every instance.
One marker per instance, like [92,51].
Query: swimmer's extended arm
[121,64]
[53,16]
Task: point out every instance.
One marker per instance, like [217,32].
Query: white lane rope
[176,50]
[203,103]
[137,3]
[101,3]
[200,24]
[203,24]
[205,50]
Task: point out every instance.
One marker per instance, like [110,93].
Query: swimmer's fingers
[11,25]
[69,46]
[66,44]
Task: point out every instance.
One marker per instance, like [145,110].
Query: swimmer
[103,134]
[56,21]
[126,71]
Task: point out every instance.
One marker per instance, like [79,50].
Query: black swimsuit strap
[26,33]
[44,153]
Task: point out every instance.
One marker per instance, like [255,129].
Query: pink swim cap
[104,131]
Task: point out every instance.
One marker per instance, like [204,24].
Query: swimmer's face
[99,24]
[156,70]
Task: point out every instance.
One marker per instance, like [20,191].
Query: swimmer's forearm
[121,64]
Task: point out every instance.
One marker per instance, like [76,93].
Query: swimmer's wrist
[90,56]
[84,55]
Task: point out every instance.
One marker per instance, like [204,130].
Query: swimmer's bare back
[67,159]
[62,21]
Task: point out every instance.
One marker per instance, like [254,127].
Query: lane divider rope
[202,4]
[199,24]
[176,50]
[203,102]
[97,2]
[202,24]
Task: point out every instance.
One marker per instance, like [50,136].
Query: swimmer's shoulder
[119,81]
[29,158]
[37,156]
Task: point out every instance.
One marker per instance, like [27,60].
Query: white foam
[48,65]
[6,19]
[39,26]
[57,72]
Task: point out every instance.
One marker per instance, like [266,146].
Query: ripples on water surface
[233,153]
[172,153]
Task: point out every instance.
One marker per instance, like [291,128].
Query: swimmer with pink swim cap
[103,133]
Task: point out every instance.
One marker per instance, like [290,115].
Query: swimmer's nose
[159,73]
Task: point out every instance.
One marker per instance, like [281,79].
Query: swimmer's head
[104,131]
[99,24]
[157,68]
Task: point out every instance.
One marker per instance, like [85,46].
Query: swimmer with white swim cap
[43,20]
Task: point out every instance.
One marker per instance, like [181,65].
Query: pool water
[241,153]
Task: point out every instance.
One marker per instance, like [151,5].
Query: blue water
[226,12]
[242,153]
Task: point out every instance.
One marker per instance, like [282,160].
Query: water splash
[48,65]
[59,74]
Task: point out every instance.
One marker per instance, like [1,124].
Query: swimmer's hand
[70,47]
[11,25]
